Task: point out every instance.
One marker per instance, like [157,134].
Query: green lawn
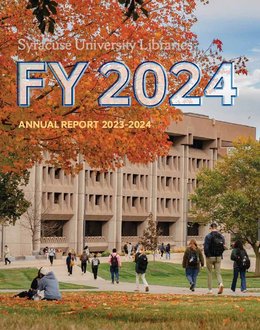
[22,278]
[129,311]
[170,274]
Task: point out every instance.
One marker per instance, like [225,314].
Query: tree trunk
[257,261]
[36,241]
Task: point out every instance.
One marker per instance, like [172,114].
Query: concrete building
[105,210]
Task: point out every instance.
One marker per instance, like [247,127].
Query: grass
[21,279]
[129,311]
[169,274]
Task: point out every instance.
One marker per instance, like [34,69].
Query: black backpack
[243,260]
[142,262]
[114,261]
[193,259]
[216,245]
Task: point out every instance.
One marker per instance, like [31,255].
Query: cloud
[229,10]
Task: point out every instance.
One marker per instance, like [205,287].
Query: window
[135,176]
[129,228]
[98,176]
[168,203]
[193,229]
[93,228]
[134,201]
[168,181]
[98,199]
[52,228]
[57,198]
[197,144]
[163,228]
[57,173]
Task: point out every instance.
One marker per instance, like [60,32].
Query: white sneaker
[210,292]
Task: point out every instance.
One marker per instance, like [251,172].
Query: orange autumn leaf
[169,22]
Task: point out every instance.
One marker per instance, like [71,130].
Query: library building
[106,210]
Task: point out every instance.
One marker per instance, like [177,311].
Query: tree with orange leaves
[76,33]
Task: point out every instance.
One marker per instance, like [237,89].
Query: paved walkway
[60,270]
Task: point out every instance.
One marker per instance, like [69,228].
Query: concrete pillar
[118,206]
[79,233]
[37,208]
[181,224]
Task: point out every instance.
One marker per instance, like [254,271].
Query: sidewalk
[60,270]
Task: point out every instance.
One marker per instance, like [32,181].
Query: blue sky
[237,24]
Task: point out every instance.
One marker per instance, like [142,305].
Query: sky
[237,24]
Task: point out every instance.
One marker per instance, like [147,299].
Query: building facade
[105,210]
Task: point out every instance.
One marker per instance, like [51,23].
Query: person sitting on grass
[48,288]
[32,291]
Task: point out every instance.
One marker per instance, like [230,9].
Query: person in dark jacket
[214,246]
[33,289]
[236,253]
[49,285]
[70,261]
[192,259]
[141,263]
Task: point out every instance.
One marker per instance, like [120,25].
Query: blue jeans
[192,274]
[235,277]
[114,273]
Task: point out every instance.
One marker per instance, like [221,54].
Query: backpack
[243,260]
[84,257]
[142,262]
[114,261]
[95,262]
[216,245]
[193,259]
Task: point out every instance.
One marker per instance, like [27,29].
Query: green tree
[12,201]
[230,194]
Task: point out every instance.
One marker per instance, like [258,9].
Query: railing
[53,240]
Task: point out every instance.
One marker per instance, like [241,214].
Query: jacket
[186,256]
[141,263]
[50,286]
[207,243]
[234,254]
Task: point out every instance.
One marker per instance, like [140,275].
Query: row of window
[52,228]
[169,162]
[171,205]
[65,200]
[196,164]
[169,183]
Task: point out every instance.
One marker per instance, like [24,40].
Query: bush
[105,254]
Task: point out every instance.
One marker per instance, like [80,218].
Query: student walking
[94,265]
[240,266]
[141,263]
[7,255]
[214,246]
[51,255]
[115,262]
[162,249]
[70,262]
[192,259]
[84,258]
[129,249]
[168,251]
